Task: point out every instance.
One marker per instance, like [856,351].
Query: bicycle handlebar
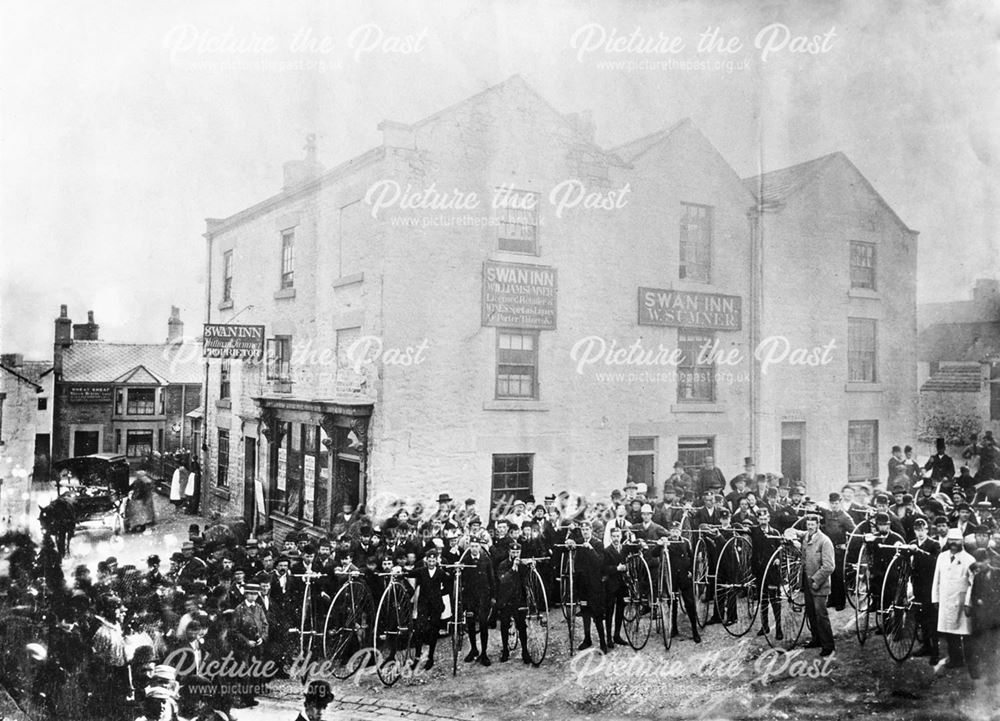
[900,547]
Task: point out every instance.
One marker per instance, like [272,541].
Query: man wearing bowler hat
[837,524]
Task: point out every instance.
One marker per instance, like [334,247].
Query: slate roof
[779,184]
[973,342]
[89,361]
[634,148]
[955,379]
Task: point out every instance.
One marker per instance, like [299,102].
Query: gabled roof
[634,148]
[95,361]
[972,342]
[776,187]
[24,379]
[955,379]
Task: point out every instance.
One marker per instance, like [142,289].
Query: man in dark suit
[512,575]
[249,633]
[709,516]
[433,585]
[681,566]
[922,577]
[590,568]
[614,588]
[940,465]
[282,601]
[709,478]
[478,599]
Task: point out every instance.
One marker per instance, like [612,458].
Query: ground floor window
[862,450]
[642,460]
[513,477]
[692,452]
[299,488]
[222,474]
[138,443]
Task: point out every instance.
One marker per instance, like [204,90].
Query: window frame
[227,276]
[873,458]
[516,217]
[129,444]
[856,269]
[133,408]
[510,363]
[225,380]
[222,460]
[856,356]
[707,444]
[287,258]
[684,242]
[698,338]
[281,362]
[507,492]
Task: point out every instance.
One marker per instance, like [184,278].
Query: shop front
[315,454]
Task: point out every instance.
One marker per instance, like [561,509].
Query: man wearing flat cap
[837,524]
[249,634]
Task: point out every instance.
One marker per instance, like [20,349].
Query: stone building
[134,399]
[26,391]
[491,305]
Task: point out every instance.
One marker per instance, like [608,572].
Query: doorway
[792,439]
[86,443]
[249,479]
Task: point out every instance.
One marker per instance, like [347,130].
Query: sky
[123,125]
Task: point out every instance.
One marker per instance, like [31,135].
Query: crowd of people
[134,642]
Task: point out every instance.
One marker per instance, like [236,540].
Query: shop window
[513,477]
[138,443]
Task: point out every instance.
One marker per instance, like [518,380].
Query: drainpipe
[205,483]
[754,216]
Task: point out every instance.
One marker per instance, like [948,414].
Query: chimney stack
[299,172]
[175,326]
[88,330]
[14,361]
[64,328]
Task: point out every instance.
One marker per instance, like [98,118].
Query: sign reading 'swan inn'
[517,295]
[225,340]
[684,309]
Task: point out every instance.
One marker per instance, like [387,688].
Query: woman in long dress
[177,484]
[140,512]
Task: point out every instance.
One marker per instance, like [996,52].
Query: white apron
[951,591]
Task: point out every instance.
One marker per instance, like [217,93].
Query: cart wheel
[737,592]
[537,620]
[347,628]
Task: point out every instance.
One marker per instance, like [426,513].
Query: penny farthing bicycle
[899,609]
[856,571]
[309,614]
[536,611]
[782,598]
[348,625]
[393,637]
[456,626]
[568,592]
[737,588]
[639,596]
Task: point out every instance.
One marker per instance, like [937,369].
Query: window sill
[514,405]
[222,492]
[864,293]
[863,387]
[348,280]
[513,256]
[226,304]
[698,408]
[224,404]
[284,293]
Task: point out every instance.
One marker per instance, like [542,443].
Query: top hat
[444,498]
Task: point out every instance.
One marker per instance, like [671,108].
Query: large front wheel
[782,600]
[899,623]
[737,592]
[537,618]
[638,602]
[347,628]
[702,581]
[393,633]
[665,601]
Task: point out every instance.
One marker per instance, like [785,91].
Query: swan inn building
[489,304]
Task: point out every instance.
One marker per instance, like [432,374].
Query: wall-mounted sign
[517,295]
[685,309]
[90,394]
[240,342]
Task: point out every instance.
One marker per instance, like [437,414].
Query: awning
[196,413]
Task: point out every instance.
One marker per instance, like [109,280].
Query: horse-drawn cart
[91,491]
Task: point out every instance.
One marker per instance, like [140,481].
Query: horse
[58,520]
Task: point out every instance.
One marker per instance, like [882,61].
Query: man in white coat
[952,593]
[177,486]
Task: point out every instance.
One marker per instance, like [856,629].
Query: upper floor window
[862,265]
[696,243]
[517,220]
[695,374]
[862,350]
[224,370]
[288,258]
[279,358]
[141,402]
[517,364]
[227,275]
